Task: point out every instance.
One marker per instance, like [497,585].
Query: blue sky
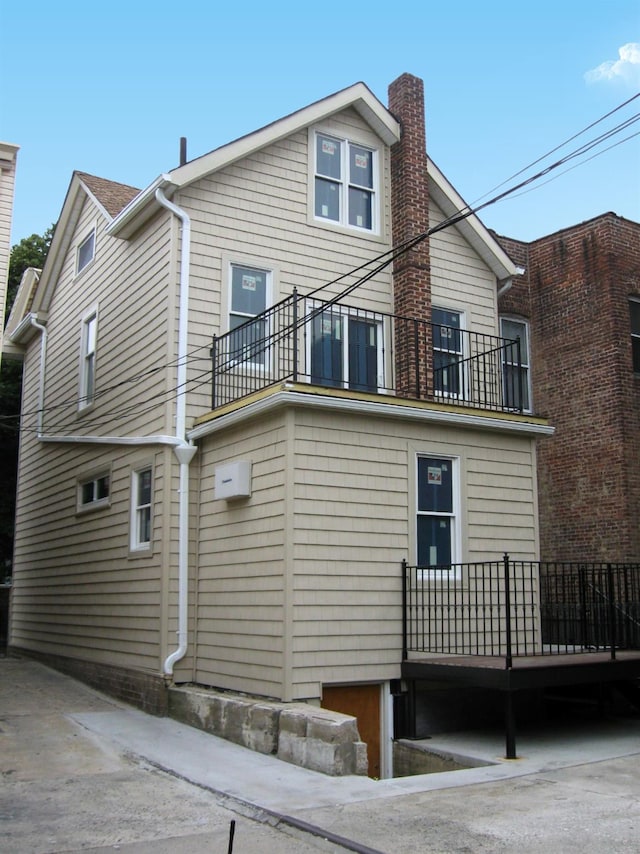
[110,90]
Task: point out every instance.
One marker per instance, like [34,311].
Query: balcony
[332,345]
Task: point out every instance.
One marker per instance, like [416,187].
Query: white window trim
[137,546]
[96,503]
[514,319]
[342,224]
[88,360]
[463,371]
[343,311]
[270,272]
[91,234]
[455,516]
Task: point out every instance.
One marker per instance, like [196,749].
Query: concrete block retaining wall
[301,734]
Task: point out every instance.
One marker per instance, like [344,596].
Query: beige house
[249,395]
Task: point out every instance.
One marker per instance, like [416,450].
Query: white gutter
[184,451]
[33,321]
[507,283]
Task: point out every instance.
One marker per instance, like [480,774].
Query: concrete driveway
[81,772]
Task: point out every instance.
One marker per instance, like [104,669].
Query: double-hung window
[346,349]
[634,312]
[448,352]
[436,526]
[88,342]
[345,183]
[86,251]
[249,297]
[515,364]
[141,494]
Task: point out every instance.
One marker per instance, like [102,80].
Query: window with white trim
[516,381]
[250,294]
[141,493]
[345,183]
[634,316]
[448,352]
[89,338]
[94,492]
[86,251]
[346,349]
[437,511]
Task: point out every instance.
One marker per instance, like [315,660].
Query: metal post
[405,645]
[507,611]
[295,335]
[510,726]
[213,372]
[612,611]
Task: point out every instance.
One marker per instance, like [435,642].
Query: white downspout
[33,318]
[184,451]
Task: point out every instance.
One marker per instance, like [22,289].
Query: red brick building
[578,304]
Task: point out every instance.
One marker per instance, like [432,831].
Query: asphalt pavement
[83,772]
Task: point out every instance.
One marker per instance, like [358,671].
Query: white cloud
[626,68]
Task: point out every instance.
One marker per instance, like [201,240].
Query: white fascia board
[140,208]
[475,233]
[380,409]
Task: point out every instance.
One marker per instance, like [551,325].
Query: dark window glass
[328,152]
[360,166]
[435,485]
[360,208]
[434,541]
[248,291]
[327,199]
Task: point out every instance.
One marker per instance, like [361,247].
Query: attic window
[86,251]
[345,183]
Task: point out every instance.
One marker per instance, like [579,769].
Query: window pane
[248,290]
[327,199]
[360,166]
[85,251]
[516,387]
[634,310]
[513,330]
[435,485]
[144,525]
[144,487]
[446,335]
[434,541]
[87,492]
[328,155]
[446,373]
[102,487]
[363,355]
[89,383]
[248,342]
[326,349]
[360,208]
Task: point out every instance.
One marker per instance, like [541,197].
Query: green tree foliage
[30,252]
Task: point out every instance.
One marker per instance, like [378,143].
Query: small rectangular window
[141,509]
[634,312]
[88,359]
[345,178]
[86,251]
[436,516]
[94,492]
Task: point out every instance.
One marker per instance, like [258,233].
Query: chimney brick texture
[410,217]
[575,295]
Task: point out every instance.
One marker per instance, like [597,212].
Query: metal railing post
[405,645]
[612,611]
[213,371]
[295,335]
[507,609]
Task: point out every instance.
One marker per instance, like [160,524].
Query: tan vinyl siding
[240,587]
[352,522]
[8,154]
[256,211]
[460,279]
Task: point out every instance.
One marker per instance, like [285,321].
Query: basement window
[94,492]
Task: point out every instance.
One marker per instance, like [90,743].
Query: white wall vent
[233,480]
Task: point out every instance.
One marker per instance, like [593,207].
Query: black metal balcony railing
[521,608]
[334,345]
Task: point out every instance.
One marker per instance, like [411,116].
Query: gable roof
[359,97]
[113,197]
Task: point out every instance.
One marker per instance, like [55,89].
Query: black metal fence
[521,608]
[335,345]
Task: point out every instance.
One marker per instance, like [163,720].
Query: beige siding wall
[336,590]
[78,590]
[460,279]
[241,593]
[8,153]
[256,212]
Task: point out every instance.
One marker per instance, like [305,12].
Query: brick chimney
[410,217]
